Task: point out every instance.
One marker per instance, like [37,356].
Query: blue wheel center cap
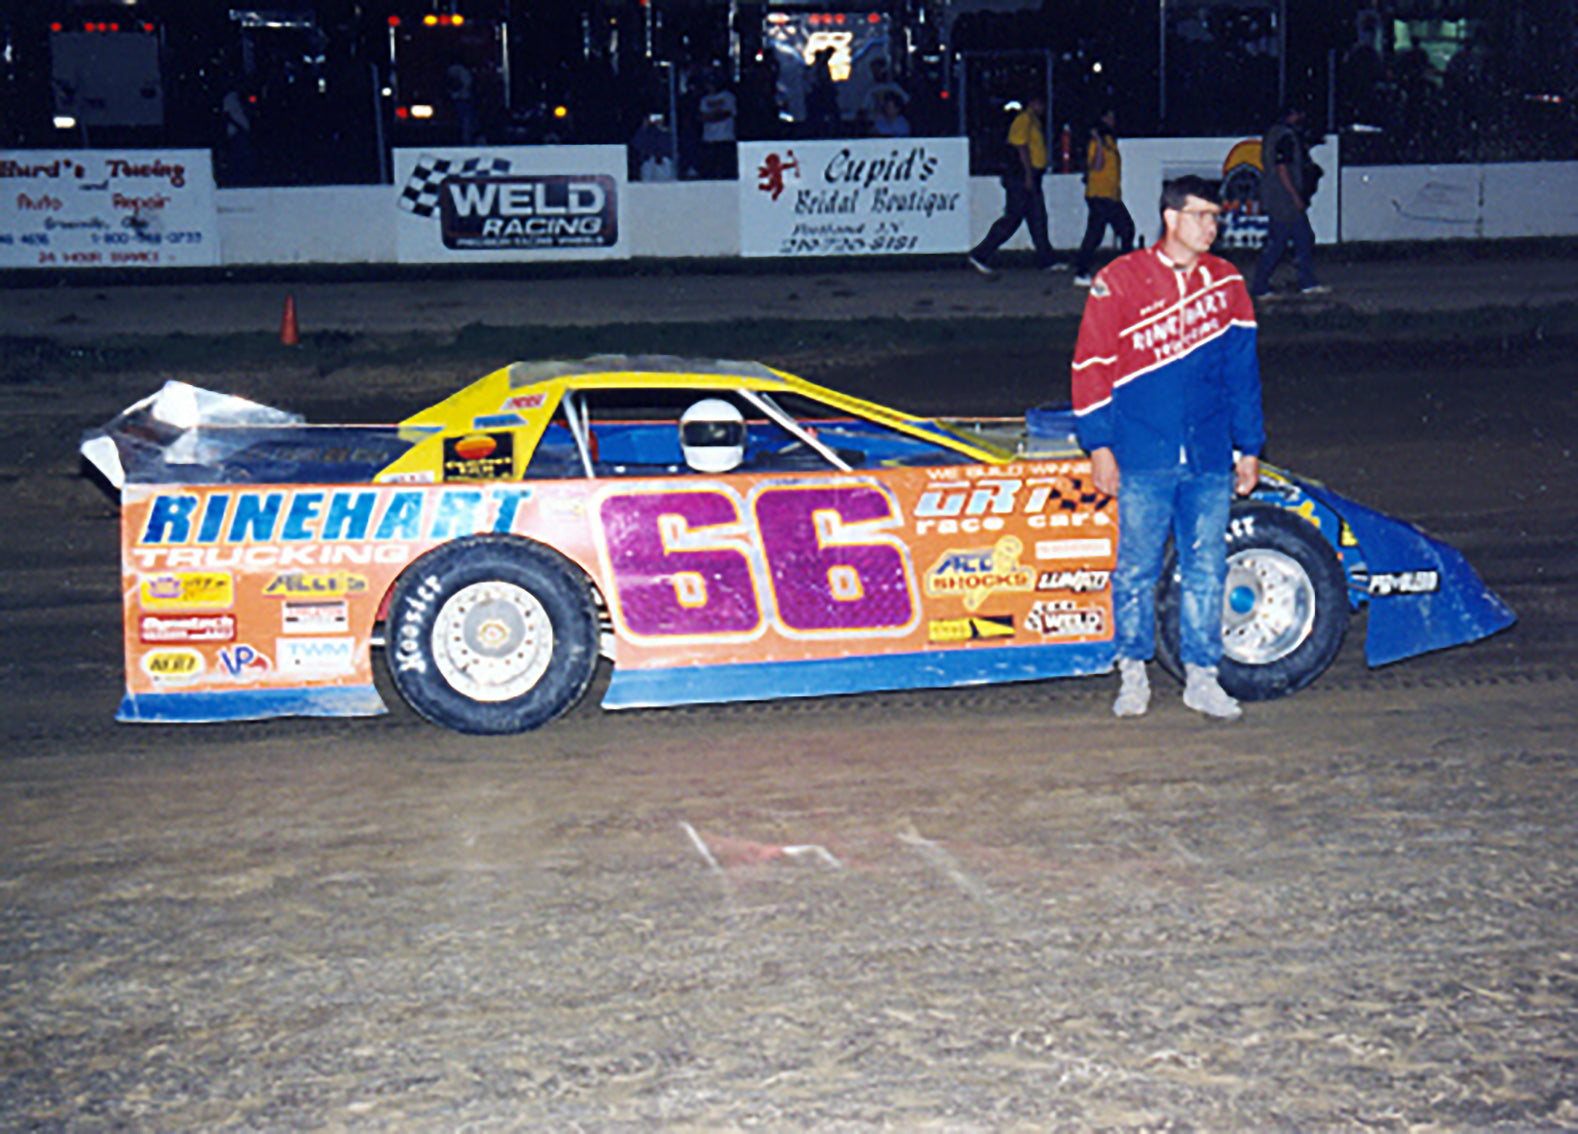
[1242,600]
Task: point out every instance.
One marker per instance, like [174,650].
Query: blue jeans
[1099,213]
[1302,236]
[1025,205]
[1194,508]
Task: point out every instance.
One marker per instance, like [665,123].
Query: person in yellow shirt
[1103,197]
[1022,183]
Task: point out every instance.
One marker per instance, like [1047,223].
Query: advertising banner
[509,203]
[854,197]
[107,209]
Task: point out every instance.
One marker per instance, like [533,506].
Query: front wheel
[1284,609]
[491,634]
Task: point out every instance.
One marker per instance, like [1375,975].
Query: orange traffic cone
[288,334]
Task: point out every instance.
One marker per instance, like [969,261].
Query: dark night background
[1404,80]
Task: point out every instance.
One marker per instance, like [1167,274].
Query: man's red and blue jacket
[1165,370]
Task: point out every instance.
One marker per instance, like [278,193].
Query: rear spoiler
[163,430]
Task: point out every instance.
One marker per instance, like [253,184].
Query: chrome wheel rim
[492,641]
[1268,607]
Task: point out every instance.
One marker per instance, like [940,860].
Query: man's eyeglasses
[1201,215]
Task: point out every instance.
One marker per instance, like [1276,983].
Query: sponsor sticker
[973,574]
[187,590]
[1079,582]
[1064,618]
[524,402]
[315,584]
[155,628]
[332,616]
[243,663]
[480,456]
[173,667]
[497,421]
[316,657]
[530,211]
[977,628]
[1405,583]
[1073,548]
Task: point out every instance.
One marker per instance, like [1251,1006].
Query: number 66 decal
[811,560]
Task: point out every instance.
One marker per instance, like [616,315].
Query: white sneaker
[1083,281]
[1058,266]
[983,268]
[1315,289]
[1134,695]
[1204,695]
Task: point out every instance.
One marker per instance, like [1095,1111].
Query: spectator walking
[1025,203]
[1166,388]
[1104,205]
[1287,179]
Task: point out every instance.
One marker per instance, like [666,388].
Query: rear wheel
[492,634]
[1284,609]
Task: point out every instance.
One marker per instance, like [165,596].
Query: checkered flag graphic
[420,195]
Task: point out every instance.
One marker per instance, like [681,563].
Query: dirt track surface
[972,910]
[1452,278]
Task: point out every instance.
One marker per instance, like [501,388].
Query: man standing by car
[1027,143]
[1166,387]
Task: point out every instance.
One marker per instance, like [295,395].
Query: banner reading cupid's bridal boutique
[854,197]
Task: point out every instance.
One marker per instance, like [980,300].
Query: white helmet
[712,436]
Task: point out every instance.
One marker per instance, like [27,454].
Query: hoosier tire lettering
[495,634]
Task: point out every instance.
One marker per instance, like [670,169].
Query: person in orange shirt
[1103,197]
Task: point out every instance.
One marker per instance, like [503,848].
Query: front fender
[1422,593]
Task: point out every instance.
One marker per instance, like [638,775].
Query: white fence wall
[350,224]
[1455,202]
[338,224]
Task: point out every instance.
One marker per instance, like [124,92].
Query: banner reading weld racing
[509,203]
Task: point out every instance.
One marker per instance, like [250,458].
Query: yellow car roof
[519,380]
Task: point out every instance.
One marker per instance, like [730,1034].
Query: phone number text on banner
[854,197]
[107,209]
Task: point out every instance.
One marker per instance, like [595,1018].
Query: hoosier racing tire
[1284,609]
[491,634]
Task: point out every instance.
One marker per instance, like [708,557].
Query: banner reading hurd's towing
[509,203]
[107,209]
[876,196]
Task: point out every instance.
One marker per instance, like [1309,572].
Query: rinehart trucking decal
[236,589]
[301,528]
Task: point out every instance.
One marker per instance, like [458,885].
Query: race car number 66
[812,561]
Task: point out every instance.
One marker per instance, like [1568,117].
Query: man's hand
[1246,474]
[1104,471]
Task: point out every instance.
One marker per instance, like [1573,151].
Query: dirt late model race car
[720,531]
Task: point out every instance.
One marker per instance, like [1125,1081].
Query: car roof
[552,378]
